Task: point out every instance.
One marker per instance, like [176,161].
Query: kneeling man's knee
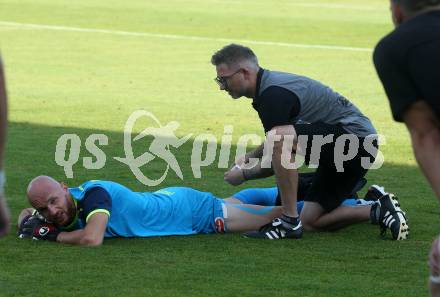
[280,134]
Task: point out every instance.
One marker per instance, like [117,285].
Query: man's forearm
[91,235]
[77,237]
[257,172]
[256,153]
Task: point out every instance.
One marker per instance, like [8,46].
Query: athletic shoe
[277,229]
[374,193]
[392,217]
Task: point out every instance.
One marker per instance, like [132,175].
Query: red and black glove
[38,229]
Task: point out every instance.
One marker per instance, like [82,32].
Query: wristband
[236,166]
[2,183]
[243,174]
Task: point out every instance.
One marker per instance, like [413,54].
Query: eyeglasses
[222,80]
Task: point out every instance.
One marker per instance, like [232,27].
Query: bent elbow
[279,134]
[90,241]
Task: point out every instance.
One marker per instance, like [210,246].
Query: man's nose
[52,210]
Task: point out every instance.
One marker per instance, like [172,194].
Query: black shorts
[400,106]
[329,187]
[407,61]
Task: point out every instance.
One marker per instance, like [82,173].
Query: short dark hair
[416,5]
[233,54]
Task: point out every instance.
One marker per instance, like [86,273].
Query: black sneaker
[392,217]
[374,193]
[277,229]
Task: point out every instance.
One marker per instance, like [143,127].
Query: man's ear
[397,13]
[247,72]
[64,186]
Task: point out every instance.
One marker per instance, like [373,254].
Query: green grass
[84,83]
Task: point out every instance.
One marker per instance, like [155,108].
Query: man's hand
[234,176]
[38,229]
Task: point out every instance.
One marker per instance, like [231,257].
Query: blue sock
[262,196]
[258,196]
[268,196]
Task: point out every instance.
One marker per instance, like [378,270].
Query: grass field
[66,76]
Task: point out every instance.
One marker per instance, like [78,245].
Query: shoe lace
[266,227]
[271,226]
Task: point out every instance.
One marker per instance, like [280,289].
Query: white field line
[315,5]
[338,6]
[180,37]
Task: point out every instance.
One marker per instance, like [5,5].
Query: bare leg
[315,218]
[232,200]
[249,217]
[424,128]
[287,179]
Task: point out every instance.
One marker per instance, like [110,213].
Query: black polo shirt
[276,106]
[408,63]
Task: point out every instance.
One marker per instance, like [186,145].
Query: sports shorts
[330,187]
[207,212]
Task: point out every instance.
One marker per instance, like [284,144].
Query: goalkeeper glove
[36,228]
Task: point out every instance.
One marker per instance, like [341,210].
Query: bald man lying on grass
[95,210]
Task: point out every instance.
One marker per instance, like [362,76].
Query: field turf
[84,66]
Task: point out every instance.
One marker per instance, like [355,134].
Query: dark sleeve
[277,107]
[96,200]
[396,78]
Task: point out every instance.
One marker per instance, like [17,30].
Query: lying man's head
[51,199]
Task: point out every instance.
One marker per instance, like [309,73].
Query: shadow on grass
[31,150]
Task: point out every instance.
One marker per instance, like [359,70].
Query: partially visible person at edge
[4,211]
[408,61]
